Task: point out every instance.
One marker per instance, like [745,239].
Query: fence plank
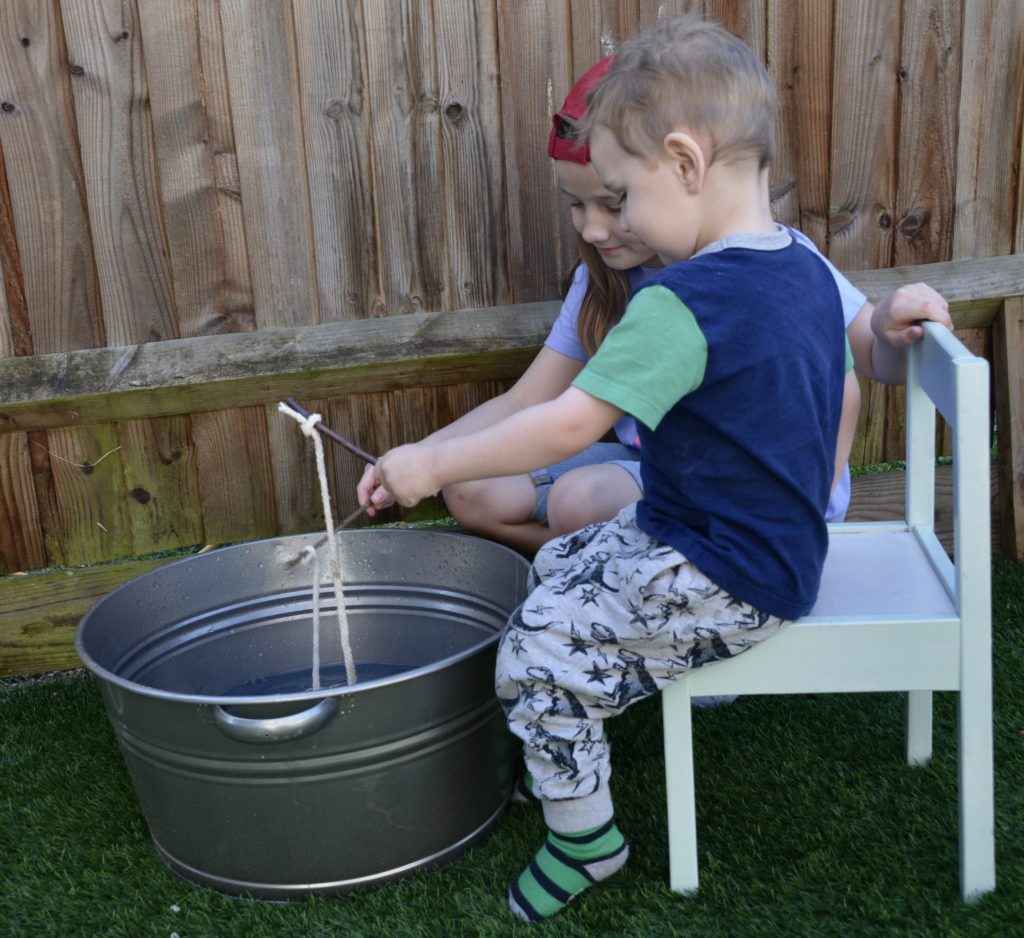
[262,70]
[21,538]
[187,178]
[259,51]
[162,497]
[236,291]
[471,154]
[863,184]
[334,94]
[597,29]
[1008,372]
[110,97]
[235,505]
[536,75]
[112,106]
[799,56]
[989,128]
[237,498]
[39,614]
[744,18]
[84,516]
[408,187]
[44,177]
[929,83]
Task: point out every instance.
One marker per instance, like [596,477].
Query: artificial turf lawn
[809,822]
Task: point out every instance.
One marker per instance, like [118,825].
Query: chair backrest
[943,374]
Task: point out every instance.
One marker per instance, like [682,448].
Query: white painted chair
[893,614]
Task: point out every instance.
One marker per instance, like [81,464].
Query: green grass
[810,824]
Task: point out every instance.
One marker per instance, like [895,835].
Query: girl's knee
[589,495]
[568,511]
[467,503]
[488,505]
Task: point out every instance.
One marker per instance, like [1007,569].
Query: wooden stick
[332,435]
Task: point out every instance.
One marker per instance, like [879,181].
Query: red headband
[563,143]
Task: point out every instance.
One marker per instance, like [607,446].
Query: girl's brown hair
[605,298]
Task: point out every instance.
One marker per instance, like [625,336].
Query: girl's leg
[513,509]
[590,494]
[500,509]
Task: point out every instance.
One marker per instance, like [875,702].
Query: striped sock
[522,792]
[563,867]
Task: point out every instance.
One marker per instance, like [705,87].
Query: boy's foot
[565,866]
[522,792]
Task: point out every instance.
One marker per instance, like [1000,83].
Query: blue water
[292,682]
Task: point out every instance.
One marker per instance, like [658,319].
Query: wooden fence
[180,170]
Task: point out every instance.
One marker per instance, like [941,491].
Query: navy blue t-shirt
[737,471]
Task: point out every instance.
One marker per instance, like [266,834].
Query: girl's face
[595,215]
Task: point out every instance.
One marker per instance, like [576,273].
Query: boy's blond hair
[686,74]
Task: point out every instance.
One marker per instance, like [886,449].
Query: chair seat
[879,570]
[882,607]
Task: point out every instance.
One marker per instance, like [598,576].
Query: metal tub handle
[276,729]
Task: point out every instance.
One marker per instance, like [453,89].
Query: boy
[733,366]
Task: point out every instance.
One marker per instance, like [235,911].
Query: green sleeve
[654,356]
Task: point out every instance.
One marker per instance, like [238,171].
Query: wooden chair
[893,614]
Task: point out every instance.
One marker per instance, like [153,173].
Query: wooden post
[1008,375]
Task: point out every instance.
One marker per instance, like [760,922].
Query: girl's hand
[405,474]
[371,493]
[895,319]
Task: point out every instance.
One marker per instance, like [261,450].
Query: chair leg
[679,787]
[919,727]
[977,796]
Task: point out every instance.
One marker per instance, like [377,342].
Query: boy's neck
[738,203]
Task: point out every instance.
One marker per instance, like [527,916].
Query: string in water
[308,426]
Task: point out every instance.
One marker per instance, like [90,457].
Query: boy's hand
[404,472]
[371,493]
[895,319]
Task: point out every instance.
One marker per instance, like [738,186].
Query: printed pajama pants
[612,617]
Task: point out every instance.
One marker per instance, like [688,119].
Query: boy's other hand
[372,494]
[895,319]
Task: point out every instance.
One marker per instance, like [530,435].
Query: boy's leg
[613,618]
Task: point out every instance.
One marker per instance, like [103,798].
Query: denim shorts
[617,454]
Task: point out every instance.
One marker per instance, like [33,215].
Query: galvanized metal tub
[252,783]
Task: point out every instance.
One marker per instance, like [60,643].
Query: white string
[311,553]
[308,427]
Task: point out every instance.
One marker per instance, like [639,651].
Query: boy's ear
[688,157]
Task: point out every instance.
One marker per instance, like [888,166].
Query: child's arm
[530,439]
[549,375]
[879,337]
[847,425]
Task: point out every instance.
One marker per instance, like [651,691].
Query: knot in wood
[912,224]
[455,112]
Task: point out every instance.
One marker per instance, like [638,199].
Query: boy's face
[654,203]
[595,216]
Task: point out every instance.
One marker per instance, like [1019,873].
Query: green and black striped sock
[563,867]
